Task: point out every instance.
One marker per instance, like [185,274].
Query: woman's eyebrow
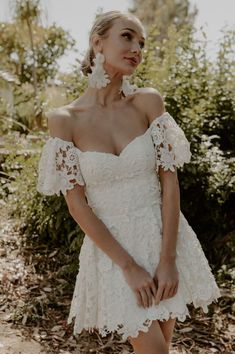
[130,29]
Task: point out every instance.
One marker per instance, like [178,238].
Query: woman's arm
[95,228]
[170,213]
[152,103]
[60,125]
[166,275]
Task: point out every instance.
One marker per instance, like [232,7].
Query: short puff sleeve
[58,168]
[172,148]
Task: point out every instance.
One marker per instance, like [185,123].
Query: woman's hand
[141,283]
[166,278]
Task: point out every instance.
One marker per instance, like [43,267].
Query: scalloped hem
[122,330]
[144,327]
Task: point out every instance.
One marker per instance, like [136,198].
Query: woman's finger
[139,299]
[159,294]
[170,292]
[167,290]
[175,290]
[144,297]
[150,296]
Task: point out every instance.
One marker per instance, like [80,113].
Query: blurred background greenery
[198,93]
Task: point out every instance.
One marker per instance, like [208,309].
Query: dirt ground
[34,303]
[13,342]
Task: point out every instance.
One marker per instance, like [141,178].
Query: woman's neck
[105,96]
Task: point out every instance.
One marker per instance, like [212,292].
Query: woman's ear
[96,43]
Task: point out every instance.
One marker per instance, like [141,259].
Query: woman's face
[123,47]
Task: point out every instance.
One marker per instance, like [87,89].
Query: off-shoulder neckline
[67,142]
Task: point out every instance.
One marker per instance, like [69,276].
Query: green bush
[44,218]
[200,96]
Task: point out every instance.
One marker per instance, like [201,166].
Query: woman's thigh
[167,328]
[150,342]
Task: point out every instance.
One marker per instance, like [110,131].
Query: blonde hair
[102,24]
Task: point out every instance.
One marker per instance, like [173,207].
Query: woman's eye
[128,35]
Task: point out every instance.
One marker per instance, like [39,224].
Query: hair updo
[102,24]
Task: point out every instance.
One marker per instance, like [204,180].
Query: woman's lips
[132,61]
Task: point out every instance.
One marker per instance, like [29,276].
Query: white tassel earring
[98,78]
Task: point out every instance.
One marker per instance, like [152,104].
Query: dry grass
[35,299]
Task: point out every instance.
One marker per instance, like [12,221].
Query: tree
[163,13]
[31,51]
[28,12]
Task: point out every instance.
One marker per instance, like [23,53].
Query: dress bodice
[107,176]
[113,182]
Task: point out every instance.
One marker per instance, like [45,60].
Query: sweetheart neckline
[110,153]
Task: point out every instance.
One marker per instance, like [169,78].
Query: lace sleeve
[172,148]
[59,168]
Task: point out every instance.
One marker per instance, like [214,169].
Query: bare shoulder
[151,101]
[60,123]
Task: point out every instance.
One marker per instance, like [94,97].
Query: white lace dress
[124,192]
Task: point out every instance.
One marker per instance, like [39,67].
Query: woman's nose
[136,48]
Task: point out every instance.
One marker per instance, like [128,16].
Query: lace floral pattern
[172,149]
[124,192]
[59,167]
[98,305]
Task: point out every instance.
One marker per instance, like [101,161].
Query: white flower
[71,158]
[175,137]
[158,135]
[167,159]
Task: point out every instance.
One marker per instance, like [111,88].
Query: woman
[114,153]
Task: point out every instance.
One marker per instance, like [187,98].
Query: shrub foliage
[199,94]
